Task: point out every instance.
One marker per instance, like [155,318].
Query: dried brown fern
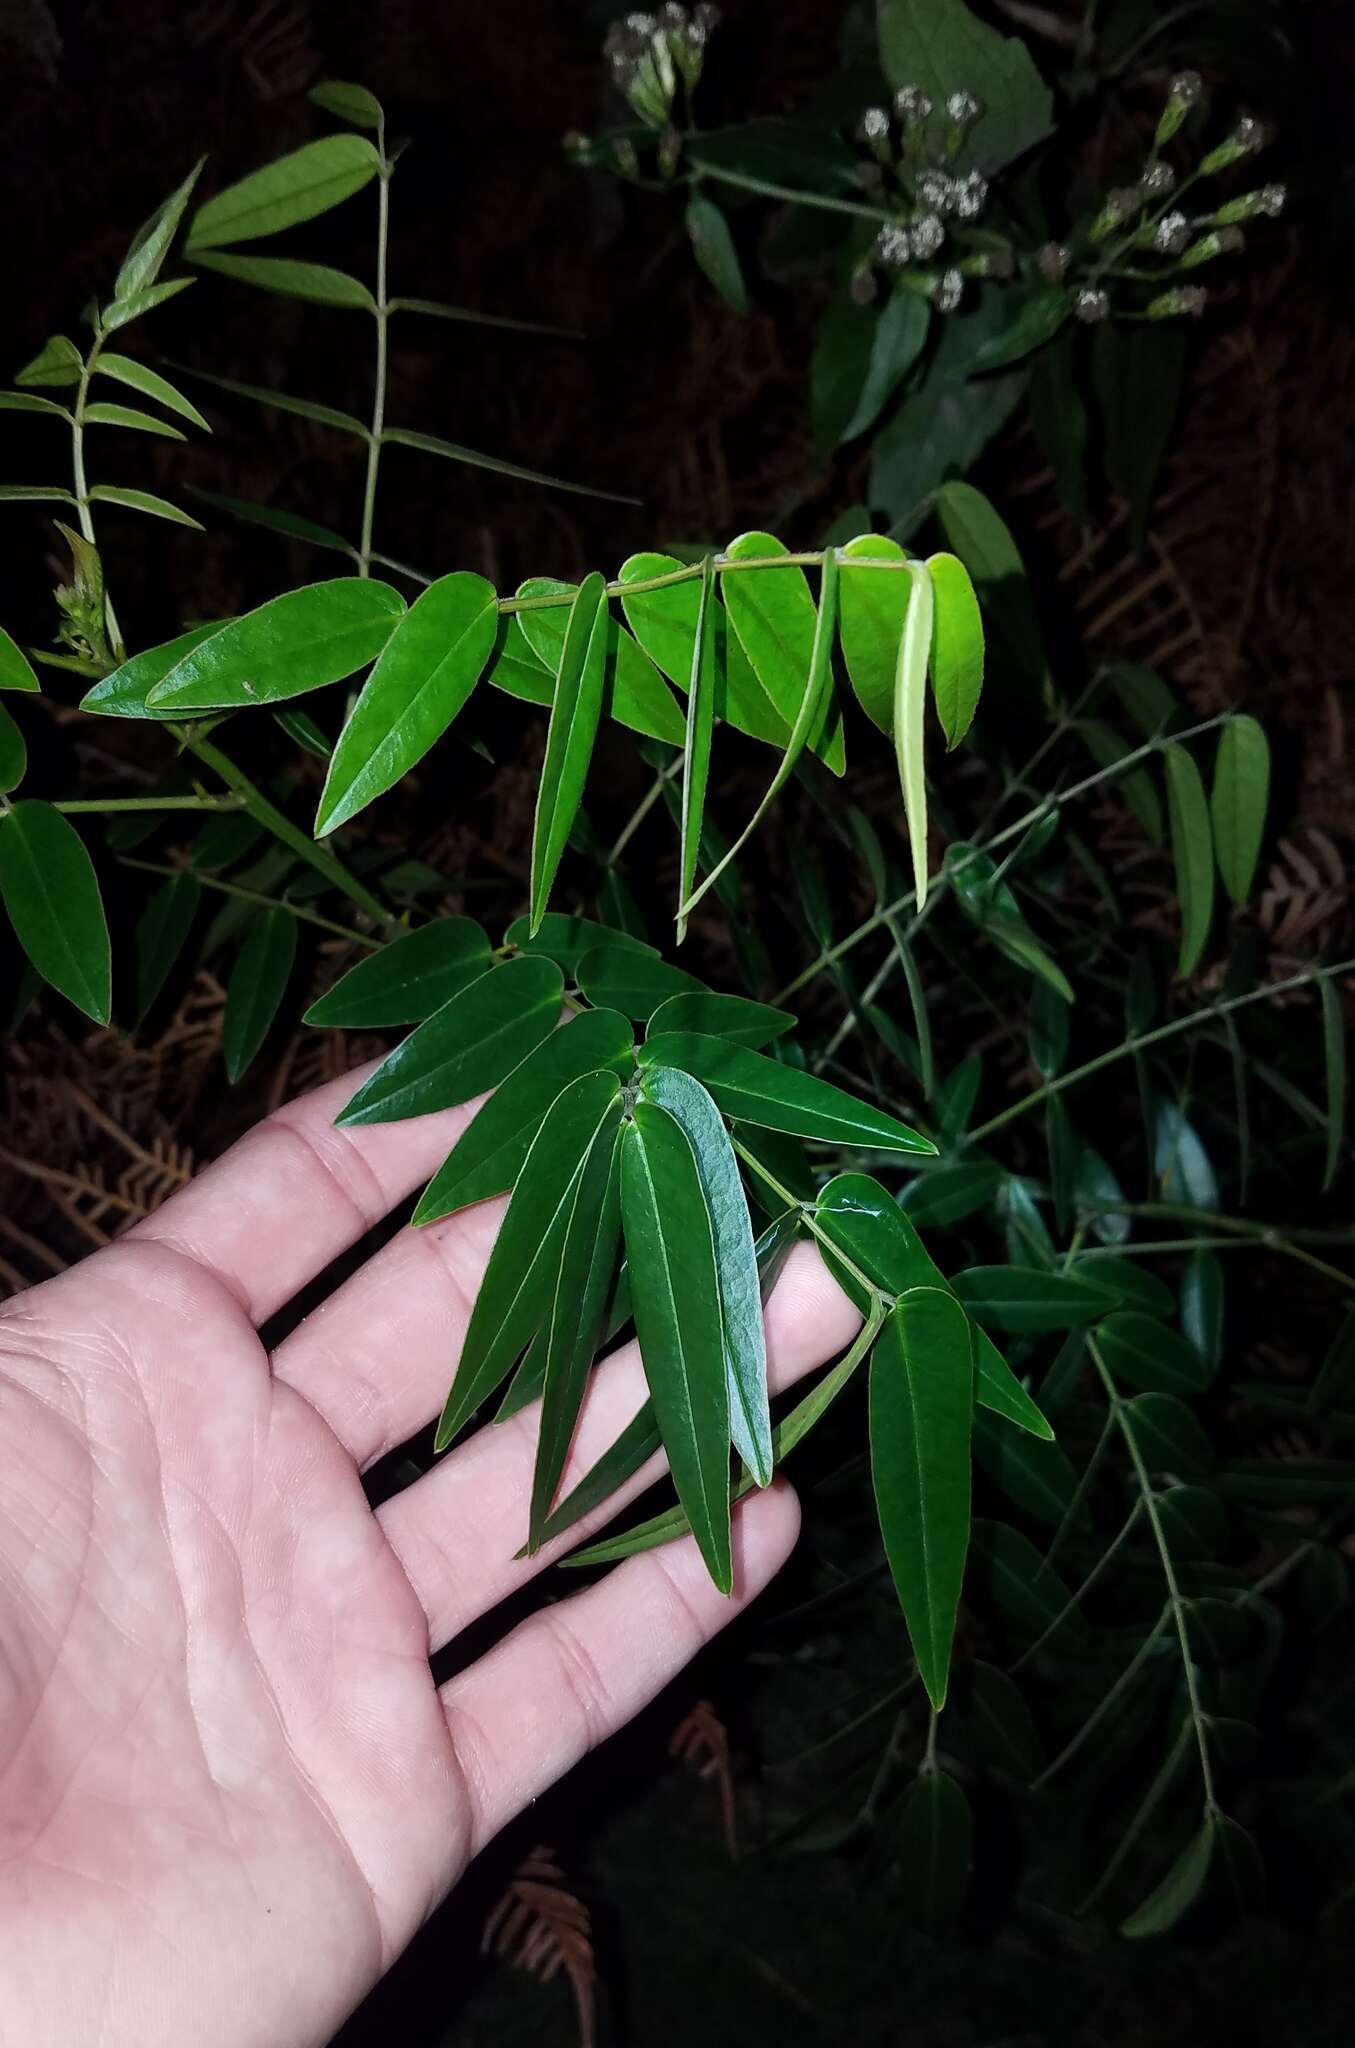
[541,1927]
[702,1741]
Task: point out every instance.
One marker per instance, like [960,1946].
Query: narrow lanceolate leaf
[487,1158]
[13,754]
[566,939]
[256,987]
[57,362]
[128,416]
[472,1043]
[873,604]
[574,718]
[1237,803]
[275,520]
[516,1289]
[301,727]
[151,243]
[1334,1050]
[689,1104]
[696,749]
[282,401]
[774,616]
[51,892]
[295,188]
[934,1842]
[123,694]
[671,1252]
[809,719]
[317,283]
[425,673]
[151,385]
[620,977]
[1144,1353]
[35,494]
[910,706]
[144,501]
[957,646]
[664,623]
[921,1412]
[475,458]
[713,247]
[1192,852]
[733,1017]
[756,1090]
[28,401]
[161,930]
[1173,1898]
[347,102]
[123,312]
[16,671]
[292,644]
[635,693]
[571,1331]
[407,980]
[1027,1300]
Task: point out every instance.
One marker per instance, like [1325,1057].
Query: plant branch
[382,323]
[151,803]
[256,896]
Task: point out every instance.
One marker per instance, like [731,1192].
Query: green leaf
[935,1844]
[943,48]
[1180,1163]
[633,693]
[487,1158]
[13,754]
[51,892]
[1192,852]
[407,980]
[472,1043]
[757,1090]
[1173,1898]
[574,718]
[57,362]
[1034,322]
[1334,1054]
[573,1325]
[1127,1282]
[151,243]
[1146,1354]
[1107,747]
[425,673]
[305,408]
[27,401]
[1039,1476]
[301,727]
[294,643]
[127,416]
[453,451]
[256,987]
[1049,1019]
[664,622]
[620,977]
[151,385]
[873,604]
[144,501]
[16,671]
[714,1016]
[697,745]
[161,931]
[979,536]
[1027,1593]
[347,102]
[123,694]
[776,620]
[123,312]
[435,309]
[921,1412]
[297,187]
[516,1290]
[277,521]
[957,646]
[996,1716]
[910,704]
[898,337]
[566,939]
[948,1194]
[1238,1859]
[1027,1300]
[316,283]
[1237,802]
[745,1348]
[1202,1306]
[34,494]
[1139,375]
[1171,1441]
[669,1243]
[713,248]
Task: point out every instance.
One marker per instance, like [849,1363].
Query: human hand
[230,1791]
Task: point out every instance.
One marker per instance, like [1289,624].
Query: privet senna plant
[650,1131]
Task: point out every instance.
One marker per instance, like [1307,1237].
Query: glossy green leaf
[57,362]
[1027,1300]
[294,643]
[144,501]
[713,248]
[566,939]
[424,674]
[487,1158]
[256,987]
[1039,1476]
[873,604]
[776,620]
[13,754]
[1173,1898]
[128,416]
[921,1411]
[697,745]
[28,401]
[51,892]
[1334,1055]
[910,705]
[957,646]
[670,1248]
[573,1323]
[407,980]
[151,385]
[1238,802]
[136,305]
[151,244]
[948,1194]
[688,1103]
[475,458]
[316,283]
[16,671]
[1192,852]
[472,1043]
[1172,1442]
[519,1279]
[123,694]
[1202,1306]
[275,520]
[347,102]
[281,401]
[898,337]
[664,623]
[979,536]
[574,718]
[633,693]
[1146,1354]
[620,977]
[717,1016]
[942,47]
[161,931]
[757,1090]
[297,187]
[934,1844]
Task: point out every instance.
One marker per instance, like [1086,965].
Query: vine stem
[151,803]
[382,323]
[256,896]
[83,513]
[746,182]
[805,1210]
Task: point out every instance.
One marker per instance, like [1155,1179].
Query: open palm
[230,1791]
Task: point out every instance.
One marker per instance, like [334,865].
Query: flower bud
[625,157]
[1183,93]
[928,233]
[938,191]
[998,263]
[873,129]
[670,151]
[963,109]
[1247,137]
[1091,305]
[948,291]
[1166,237]
[971,196]
[1157,181]
[1052,261]
[1119,207]
[1189,299]
[912,105]
[862,287]
[577,146]
[895,245]
[1220,242]
[1269,199]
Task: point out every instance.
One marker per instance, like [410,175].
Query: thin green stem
[887,1762]
[1080,1492]
[83,513]
[1076,1597]
[152,803]
[877,1297]
[256,896]
[746,182]
[1104,1705]
[379,395]
[642,810]
[1144,1812]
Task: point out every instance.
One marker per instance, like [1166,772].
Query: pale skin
[230,1791]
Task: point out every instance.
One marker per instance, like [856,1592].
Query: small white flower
[937,191]
[1091,305]
[928,234]
[911,103]
[1273,200]
[949,291]
[1157,181]
[1250,134]
[1172,234]
[875,124]
[895,245]
[963,107]
[1053,260]
[1186,88]
[972,196]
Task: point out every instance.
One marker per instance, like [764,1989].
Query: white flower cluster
[649,52]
